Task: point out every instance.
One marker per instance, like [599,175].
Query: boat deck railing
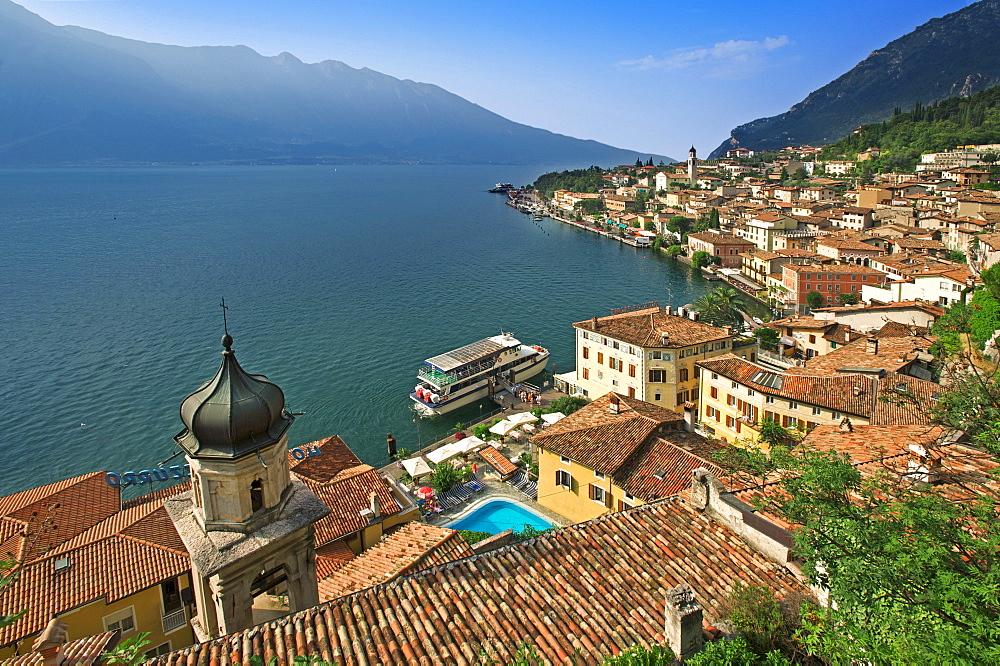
[446,378]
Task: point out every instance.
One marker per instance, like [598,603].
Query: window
[123,619]
[171,594]
[730,422]
[730,399]
[256,496]
[599,475]
[769,399]
[682,397]
[714,392]
[614,382]
[710,411]
[751,393]
[694,393]
[735,385]
[835,415]
[812,339]
[817,411]
[564,479]
[793,405]
[158,651]
[586,373]
[586,352]
[565,461]
[654,356]
[715,376]
[631,370]
[598,494]
[682,375]
[658,376]
[657,396]
[614,343]
[600,357]
[631,391]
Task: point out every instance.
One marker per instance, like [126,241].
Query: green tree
[814,299]
[567,404]
[773,434]
[589,206]
[679,224]
[700,259]
[721,306]
[767,337]
[674,251]
[444,477]
[849,298]
[956,256]
[913,576]
[649,225]
[657,243]
[713,219]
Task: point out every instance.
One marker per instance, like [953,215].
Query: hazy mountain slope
[71,95]
[953,55]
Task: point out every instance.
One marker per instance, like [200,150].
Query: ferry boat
[467,374]
[502,187]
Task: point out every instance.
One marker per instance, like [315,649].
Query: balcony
[174,621]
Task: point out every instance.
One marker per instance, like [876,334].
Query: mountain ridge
[74,95]
[947,56]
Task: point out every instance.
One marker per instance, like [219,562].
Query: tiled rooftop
[344,484]
[645,328]
[86,650]
[893,354]
[638,447]
[877,398]
[587,591]
[414,546]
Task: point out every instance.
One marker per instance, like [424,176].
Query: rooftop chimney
[682,622]
[846,425]
[664,337]
[923,466]
[615,405]
[375,504]
[594,322]
[871,346]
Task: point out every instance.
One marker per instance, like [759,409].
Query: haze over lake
[340,281]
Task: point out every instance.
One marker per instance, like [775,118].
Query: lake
[339,282]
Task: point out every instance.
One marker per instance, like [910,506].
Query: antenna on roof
[225,324]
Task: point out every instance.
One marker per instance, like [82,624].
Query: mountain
[69,95]
[955,55]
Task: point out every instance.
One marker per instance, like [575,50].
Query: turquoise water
[496,516]
[339,281]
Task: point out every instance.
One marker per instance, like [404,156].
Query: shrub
[567,405]
[700,259]
[472,537]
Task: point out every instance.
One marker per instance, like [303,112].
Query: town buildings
[648,353]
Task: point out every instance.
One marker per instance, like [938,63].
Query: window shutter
[592,491]
[608,501]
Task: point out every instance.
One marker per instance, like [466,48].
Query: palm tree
[721,307]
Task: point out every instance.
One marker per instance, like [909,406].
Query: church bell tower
[246,522]
[692,166]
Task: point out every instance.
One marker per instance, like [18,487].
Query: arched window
[256,496]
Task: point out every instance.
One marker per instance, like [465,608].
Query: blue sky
[654,77]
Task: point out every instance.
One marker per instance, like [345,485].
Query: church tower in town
[692,166]
[246,522]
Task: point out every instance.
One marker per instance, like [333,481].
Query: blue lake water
[339,281]
[496,516]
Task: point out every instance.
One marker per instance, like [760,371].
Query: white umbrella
[417,467]
[553,418]
[470,444]
[522,418]
[438,456]
[502,427]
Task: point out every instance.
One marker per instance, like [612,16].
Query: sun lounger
[530,490]
[475,485]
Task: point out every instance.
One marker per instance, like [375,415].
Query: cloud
[735,58]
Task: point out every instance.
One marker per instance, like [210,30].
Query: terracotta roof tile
[81,651]
[414,546]
[128,552]
[589,590]
[497,460]
[645,328]
[331,557]
[347,494]
[893,354]
[878,399]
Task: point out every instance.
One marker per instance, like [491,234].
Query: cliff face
[71,95]
[955,55]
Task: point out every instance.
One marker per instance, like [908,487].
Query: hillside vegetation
[941,126]
[954,55]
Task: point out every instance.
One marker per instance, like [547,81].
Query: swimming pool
[498,515]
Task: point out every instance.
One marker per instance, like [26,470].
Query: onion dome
[234,414]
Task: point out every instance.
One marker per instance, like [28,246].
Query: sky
[653,77]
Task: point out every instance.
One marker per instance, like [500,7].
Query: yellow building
[649,353]
[614,454]
[737,396]
[96,563]
[99,564]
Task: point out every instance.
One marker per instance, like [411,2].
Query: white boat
[467,374]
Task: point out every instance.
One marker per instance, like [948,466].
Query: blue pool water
[498,515]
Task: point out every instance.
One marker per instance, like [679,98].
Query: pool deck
[495,489]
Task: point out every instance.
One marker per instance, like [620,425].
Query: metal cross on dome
[225,324]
